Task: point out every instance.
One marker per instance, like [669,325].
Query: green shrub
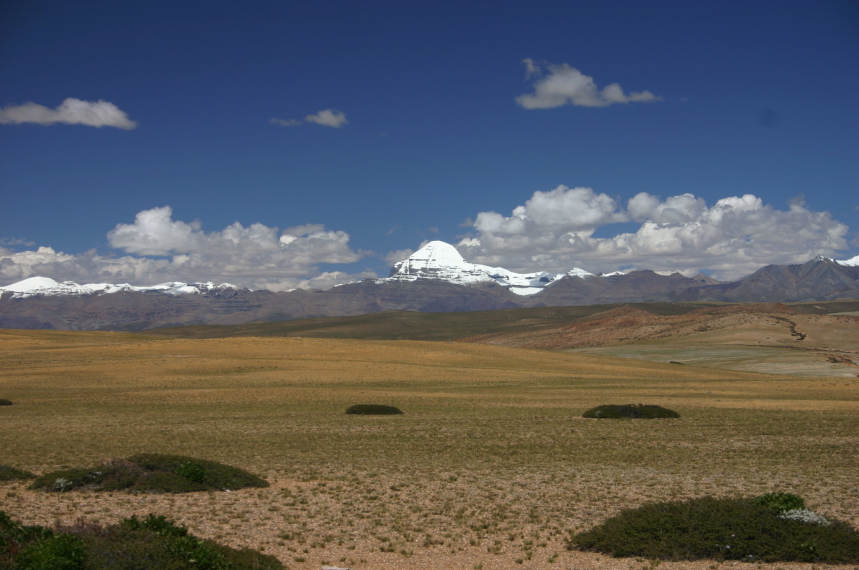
[54,552]
[5,402]
[631,411]
[780,502]
[724,529]
[126,549]
[14,536]
[8,473]
[157,524]
[134,544]
[191,471]
[373,409]
[150,472]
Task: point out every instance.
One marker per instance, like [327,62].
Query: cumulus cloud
[736,236]
[326,118]
[556,211]
[565,85]
[72,112]
[160,249]
[393,257]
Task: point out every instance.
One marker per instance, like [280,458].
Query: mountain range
[434,279]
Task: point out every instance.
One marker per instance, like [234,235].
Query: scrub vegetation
[630,411]
[373,410]
[491,465]
[151,473]
[151,543]
[751,530]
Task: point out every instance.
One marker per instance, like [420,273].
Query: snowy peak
[433,258]
[440,260]
[32,284]
[46,286]
[852,262]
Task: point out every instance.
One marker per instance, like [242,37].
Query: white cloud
[285,122]
[567,85]
[532,68]
[736,236]
[257,256]
[393,257]
[72,111]
[328,118]
[560,210]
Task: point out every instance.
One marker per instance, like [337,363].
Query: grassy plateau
[490,465]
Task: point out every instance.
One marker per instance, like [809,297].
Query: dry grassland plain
[490,466]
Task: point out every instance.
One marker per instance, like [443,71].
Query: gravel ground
[367,521]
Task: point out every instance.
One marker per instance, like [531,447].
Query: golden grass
[490,464]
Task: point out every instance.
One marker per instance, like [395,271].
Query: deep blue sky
[754,98]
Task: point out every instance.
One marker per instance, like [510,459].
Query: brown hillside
[766,323]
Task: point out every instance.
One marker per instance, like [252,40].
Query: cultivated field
[490,466]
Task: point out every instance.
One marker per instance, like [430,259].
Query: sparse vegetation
[9,473]
[724,529]
[630,411]
[153,542]
[487,450]
[373,410]
[153,473]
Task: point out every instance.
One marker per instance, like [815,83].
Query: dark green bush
[14,536]
[157,524]
[780,502]
[8,473]
[150,472]
[5,402]
[54,552]
[631,411]
[134,544]
[192,471]
[373,409]
[724,529]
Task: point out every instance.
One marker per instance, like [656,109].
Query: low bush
[134,544]
[630,411]
[722,529]
[153,473]
[9,473]
[5,402]
[780,502]
[373,410]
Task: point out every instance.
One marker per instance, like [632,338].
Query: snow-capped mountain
[441,261]
[48,287]
[435,279]
[852,262]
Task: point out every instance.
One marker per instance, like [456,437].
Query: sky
[287,144]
